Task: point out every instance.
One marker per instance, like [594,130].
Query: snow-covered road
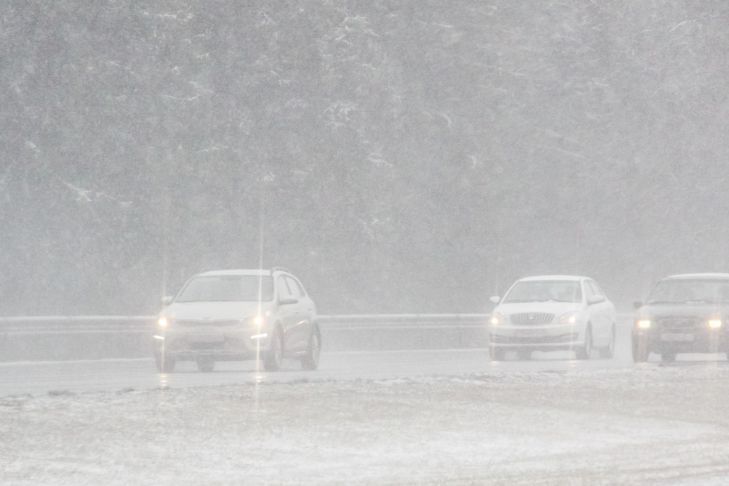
[649,423]
[423,417]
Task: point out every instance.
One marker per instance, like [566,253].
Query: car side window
[282,288]
[296,288]
[594,290]
[597,288]
[589,292]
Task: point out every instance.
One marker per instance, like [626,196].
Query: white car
[231,315]
[552,312]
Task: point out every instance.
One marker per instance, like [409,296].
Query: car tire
[274,356]
[668,357]
[164,363]
[608,351]
[640,350]
[205,365]
[496,354]
[586,350]
[310,361]
[524,355]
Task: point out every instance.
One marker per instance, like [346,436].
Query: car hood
[683,310]
[555,308]
[213,310]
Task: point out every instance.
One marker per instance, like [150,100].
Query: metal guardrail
[143,324]
[95,337]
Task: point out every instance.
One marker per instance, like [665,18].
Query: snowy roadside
[667,424]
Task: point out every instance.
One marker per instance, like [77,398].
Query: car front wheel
[164,362]
[274,356]
[206,365]
[586,350]
[608,351]
[640,350]
[310,361]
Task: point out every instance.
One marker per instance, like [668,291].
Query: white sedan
[552,313]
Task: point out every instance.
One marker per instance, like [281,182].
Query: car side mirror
[288,301]
[637,304]
[167,300]
[495,299]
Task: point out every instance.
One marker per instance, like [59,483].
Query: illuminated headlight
[568,318]
[497,319]
[163,322]
[714,323]
[643,323]
[259,320]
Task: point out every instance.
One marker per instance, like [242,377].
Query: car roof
[699,276]
[566,278]
[241,271]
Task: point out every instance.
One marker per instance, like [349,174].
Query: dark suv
[684,314]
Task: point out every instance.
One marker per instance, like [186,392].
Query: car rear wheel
[608,351]
[586,350]
[310,361]
[205,364]
[274,356]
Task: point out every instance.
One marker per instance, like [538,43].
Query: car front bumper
[685,341]
[537,338]
[218,344]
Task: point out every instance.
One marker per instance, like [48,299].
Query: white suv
[237,315]
[550,313]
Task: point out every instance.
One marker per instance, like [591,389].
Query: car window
[283,289]
[544,291]
[591,290]
[690,290]
[598,290]
[226,288]
[296,289]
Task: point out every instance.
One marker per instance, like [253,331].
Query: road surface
[94,375]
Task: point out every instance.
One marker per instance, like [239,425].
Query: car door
[287,312]
[304,313]
[599,314]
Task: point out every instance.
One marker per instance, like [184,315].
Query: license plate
[527,332]
[206,338]
[673,337]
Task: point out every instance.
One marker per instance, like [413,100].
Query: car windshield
[228,288]
[685,291]
[544,291]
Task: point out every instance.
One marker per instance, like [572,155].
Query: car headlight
[164,322]
[643,323]
[497,319]
[258,321]
[569,318]
[714,323]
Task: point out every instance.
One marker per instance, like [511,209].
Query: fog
[405,162]
[398,156]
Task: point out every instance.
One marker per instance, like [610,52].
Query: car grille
[531,318]
[204,323]
[203,346]
[678,323]
[562,338]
